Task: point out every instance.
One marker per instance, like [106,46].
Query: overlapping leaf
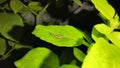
[104,29]
[100,30]
[115,38]
[96,34]
[102,55]
[8,22]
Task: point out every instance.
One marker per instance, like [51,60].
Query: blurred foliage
[51,33]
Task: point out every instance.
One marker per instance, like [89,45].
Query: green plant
[103,52]
[12,24]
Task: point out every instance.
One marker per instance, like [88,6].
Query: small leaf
[38,58]
[114,23]
[104,29]
[69,66]
[35,6]
[102,6]
[78,2]
[74,62]
[59,35]
[18,46]
[16,5]
[2,46]
[96,34]
[102,55]
[8,22]
[79,54]
[115,38]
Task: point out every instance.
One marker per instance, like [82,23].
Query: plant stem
[7,54]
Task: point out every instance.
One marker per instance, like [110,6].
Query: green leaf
[78,2]
[18,46]
[38,58]
[102,6]
[114,23]
[102,28]
[115,38]
[2,46]
[74,62]
[16,5]
[96,34]
[8,22]
[69,66]
[102,55]
[59,35]
[79,54]
[35,6]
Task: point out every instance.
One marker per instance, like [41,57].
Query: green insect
[57,36]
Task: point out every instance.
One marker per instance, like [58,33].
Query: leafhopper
[57,36]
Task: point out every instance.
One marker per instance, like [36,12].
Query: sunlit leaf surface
[102,55]
[59,35]
[104,8]
[38,58]
[115,38]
